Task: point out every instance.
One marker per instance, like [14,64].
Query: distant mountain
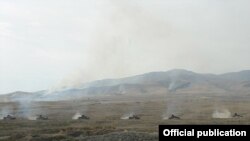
[178,80]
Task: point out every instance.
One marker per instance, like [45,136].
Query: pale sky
[48,44]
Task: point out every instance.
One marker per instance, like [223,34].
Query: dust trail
[83,110]
[219,109]
[26,107]
[174,104]
[221,113]
[32,117]
[127,115]
[77,115]
[133,109]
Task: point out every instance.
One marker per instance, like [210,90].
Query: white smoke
[25,108]
[6,110]
[171,86]
[76,116]
[174,103]
[165,116]
[174,100]
[125,29]
[79,110]
[32,117]
[172,107]
[127,115]
[221,113]
[133,109]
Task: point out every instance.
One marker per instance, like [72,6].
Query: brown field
[105,117]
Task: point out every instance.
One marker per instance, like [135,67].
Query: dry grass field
[105,114]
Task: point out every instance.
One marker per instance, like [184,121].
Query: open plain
[106,114]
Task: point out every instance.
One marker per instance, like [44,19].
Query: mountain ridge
[179,80]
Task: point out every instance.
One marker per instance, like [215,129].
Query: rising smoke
[174,100]
[122,31]
[132,109]
[83,110]
[174,104]
[6,110]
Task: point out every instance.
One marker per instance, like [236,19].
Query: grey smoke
[80,109]
[132,37]
[174,104]
[174,100]
[6,110]
[116,38]
[125,35]
[132,109]
[25,107]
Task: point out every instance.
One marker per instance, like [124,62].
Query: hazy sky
[55,43]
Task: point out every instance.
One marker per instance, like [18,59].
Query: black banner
[203,132]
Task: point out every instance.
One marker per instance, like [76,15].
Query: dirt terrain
[105,115]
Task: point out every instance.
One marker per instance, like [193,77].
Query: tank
[134,117]
[174,117]
[9,117]
[83,117]
[237,115]
[41,117]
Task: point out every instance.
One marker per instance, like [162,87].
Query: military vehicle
[41,117]
[174,117]
[133,117]
[235,115]
[9,117]
[83,117]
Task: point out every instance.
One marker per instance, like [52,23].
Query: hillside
[181,81]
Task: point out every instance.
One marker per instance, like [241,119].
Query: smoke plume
[122,30]
[173,107]
[127,115]
[6,110]
[133,109]
[221,113]
[76,116]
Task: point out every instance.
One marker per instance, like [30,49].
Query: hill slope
[150,83]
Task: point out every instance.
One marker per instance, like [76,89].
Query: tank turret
[133,117]
[235,115]
[9,117]
[41,117]
[174,117]
[83,117]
